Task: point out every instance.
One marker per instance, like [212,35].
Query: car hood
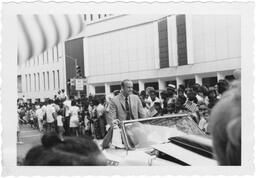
[141,157]
[137,157]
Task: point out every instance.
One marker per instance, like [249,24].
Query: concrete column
[63,72]
[220,76]
[172,40]
[86,57]
[141,85]
[91,89]
[198,79]
[179,81]
[161,84]
[107,89]
[189,34]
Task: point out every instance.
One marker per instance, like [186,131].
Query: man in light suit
[126,106]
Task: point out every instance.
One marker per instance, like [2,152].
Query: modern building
[155,50]
[151,50]
[43,76]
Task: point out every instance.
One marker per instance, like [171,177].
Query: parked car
[167,140]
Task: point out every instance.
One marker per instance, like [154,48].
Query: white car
[166,140]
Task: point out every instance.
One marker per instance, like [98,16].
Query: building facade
[43,76]
[155,50]
[151,50]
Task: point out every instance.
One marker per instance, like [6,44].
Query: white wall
[122,51]
[55,63]
[216,37]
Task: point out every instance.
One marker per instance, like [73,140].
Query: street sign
[79,84]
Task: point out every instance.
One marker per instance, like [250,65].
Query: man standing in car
[126,106]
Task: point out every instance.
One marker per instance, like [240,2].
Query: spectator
[40,116]
[222,87]
[164,101]
[60,127]
[101,118]
[50,117]
[204,118]
[146,110]
[67,105]
[171,98]
[212,97]
[74,120]
[202,95]
[179,105]
[151,100]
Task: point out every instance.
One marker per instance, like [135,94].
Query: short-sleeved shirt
[59,121]
[74,120]
[39,113]
[100,110]
[49,113]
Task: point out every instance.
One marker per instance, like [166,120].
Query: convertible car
[166,140]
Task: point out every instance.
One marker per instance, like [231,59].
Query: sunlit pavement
[30,138]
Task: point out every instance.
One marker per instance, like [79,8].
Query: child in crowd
[60,124]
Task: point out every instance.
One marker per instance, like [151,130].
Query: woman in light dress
[74,119]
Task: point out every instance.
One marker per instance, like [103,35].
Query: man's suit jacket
[117,108]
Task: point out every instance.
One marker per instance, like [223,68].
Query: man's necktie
[127,108]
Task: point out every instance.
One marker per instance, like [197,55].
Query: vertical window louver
[181,40]
[163,43]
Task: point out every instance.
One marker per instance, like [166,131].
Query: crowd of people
[89,116]
[66,116]
[79,116]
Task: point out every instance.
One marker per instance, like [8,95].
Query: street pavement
[30,138]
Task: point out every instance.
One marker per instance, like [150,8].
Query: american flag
[191,106]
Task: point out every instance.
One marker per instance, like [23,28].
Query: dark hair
[143,93]
[203,89]
[182,87]
[143,103]
[180,102]
[222,86]
[73,102]
[71,151]
[192,97]
[50,101]
[195,87]
[225,126]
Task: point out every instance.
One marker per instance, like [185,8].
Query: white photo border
[9,84]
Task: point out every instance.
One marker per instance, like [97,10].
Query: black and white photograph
[159,89]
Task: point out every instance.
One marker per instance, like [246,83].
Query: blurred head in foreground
[72,151]
[225,126]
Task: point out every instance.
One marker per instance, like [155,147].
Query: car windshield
[143,133]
